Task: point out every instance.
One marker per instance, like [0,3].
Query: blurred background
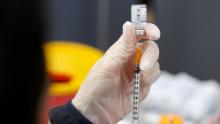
[189,29]
[79,31]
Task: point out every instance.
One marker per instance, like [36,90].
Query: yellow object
[69,58]
[171,119]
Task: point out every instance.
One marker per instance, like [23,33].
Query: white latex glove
[106,94]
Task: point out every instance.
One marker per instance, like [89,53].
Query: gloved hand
[106,94]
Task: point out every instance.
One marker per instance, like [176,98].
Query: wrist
[84,107]
[92,110]
[81,103]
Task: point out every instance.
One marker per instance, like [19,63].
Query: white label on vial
[139,15]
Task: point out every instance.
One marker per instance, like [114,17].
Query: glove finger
[148,79]
[124,48]
[150,56]
[152,32]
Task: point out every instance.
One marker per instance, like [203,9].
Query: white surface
[181,94]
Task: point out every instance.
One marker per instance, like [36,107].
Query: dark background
[190,30]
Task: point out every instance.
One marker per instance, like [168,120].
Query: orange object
[138,55]
[141,46]
[171,119]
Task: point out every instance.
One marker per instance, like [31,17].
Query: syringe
[138,17]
